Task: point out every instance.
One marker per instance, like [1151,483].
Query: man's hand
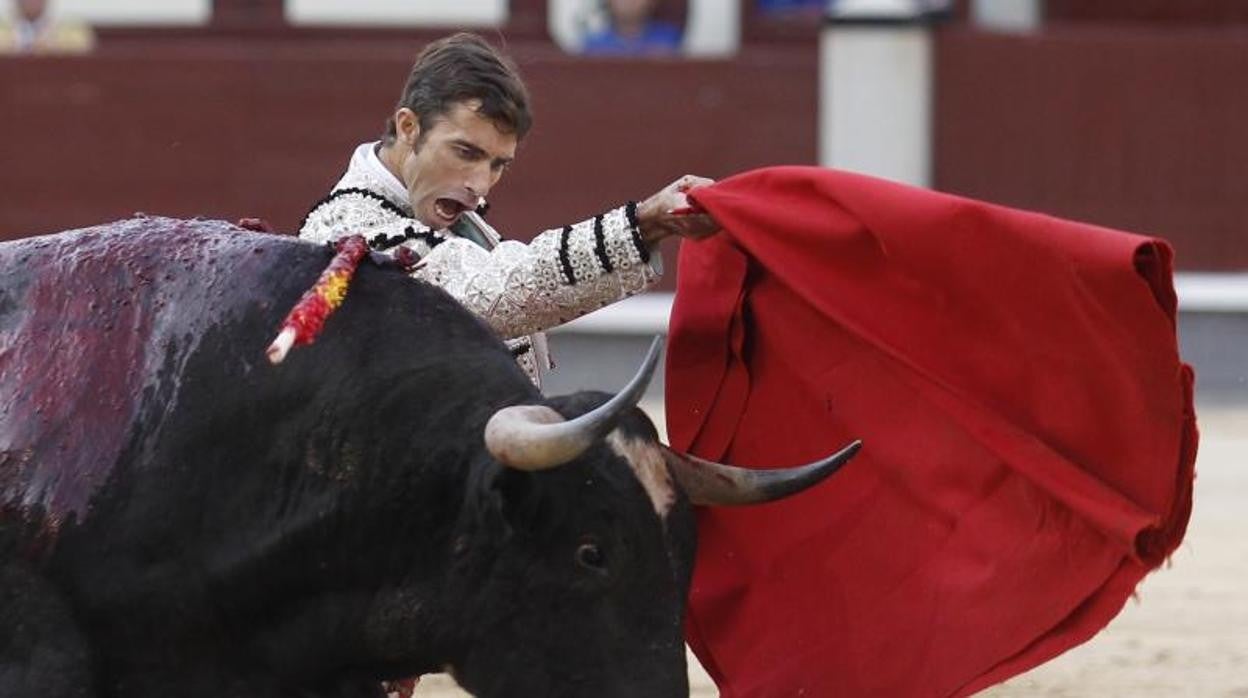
[667,213]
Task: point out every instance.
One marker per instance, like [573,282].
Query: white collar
[365,158]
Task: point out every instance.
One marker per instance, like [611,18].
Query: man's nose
[480,180]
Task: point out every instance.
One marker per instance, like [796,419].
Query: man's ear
[407,126]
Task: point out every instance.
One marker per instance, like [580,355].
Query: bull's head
[536,438]
[585,593]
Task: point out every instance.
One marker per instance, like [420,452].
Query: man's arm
[562,274]
[520,289]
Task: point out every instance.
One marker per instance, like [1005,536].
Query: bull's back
[95,323]
[133,383]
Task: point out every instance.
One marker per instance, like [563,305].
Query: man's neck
[388,153]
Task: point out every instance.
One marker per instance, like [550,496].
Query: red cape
[1028,427]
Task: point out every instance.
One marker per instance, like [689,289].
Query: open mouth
[449,209]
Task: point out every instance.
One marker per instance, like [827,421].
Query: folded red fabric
[1028,427]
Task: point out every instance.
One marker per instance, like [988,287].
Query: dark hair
[459,68]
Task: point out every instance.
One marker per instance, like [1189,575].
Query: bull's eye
[590,556]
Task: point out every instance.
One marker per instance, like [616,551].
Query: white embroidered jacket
[517,289]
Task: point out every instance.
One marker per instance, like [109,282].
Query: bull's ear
[483,508]
[514,501]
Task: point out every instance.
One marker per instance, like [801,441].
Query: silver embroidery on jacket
[517,289]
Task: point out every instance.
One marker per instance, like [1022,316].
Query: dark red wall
[1142,129]
[1133,126]
[1165,11]
[230,130]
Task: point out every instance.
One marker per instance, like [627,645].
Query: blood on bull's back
[94,322]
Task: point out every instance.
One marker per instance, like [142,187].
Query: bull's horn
[711,483]
[535,437]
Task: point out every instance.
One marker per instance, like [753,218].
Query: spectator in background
[851,8]
[632,29]
[32,29]
[789,8]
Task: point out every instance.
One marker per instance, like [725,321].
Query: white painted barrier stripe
[1202,292]
[644,314]
[1207,292]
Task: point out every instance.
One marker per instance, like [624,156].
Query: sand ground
[1184,635]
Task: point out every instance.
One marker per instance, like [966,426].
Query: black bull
[180,517]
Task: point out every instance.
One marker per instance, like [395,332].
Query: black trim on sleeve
[564,260]
[600,246]
[630,211]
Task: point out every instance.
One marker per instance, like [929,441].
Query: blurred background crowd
[1126,113]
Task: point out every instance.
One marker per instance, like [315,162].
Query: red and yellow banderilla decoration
[306,320]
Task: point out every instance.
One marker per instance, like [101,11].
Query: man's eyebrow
[478,151]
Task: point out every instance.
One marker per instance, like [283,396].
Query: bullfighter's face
[450,167]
